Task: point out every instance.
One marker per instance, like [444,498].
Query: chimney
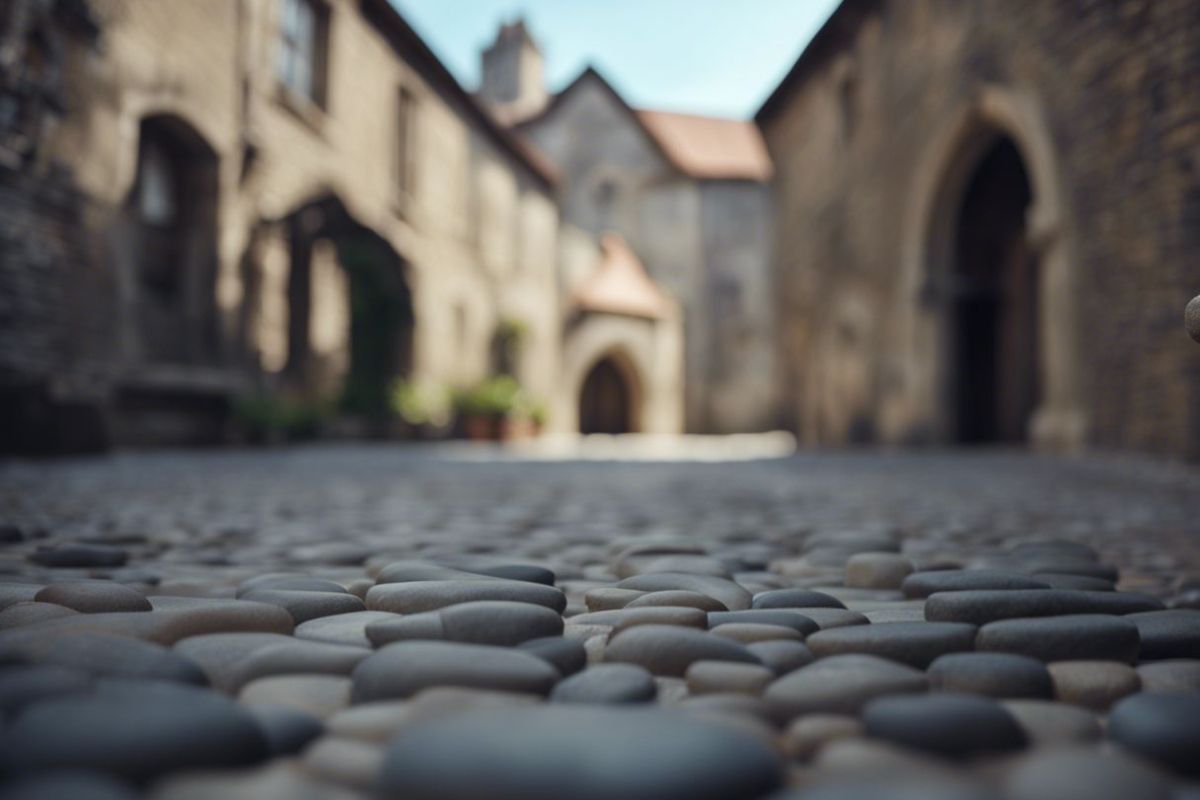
[513,87]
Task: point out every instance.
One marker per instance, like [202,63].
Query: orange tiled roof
[709,147]
[620,285]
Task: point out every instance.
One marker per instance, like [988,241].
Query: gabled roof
[620,285]
[706,148]
[412,48]
[710,147]
[840,28]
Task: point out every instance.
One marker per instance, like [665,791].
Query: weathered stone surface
[951,725]
[608,598]
[76,554]
[751,632]
[282,779]
[1093,684]
[1066,638]
[101,656]
[347,629]
[495,622]
[1161,727]
[92,597]
[787,618]
[11,593]
[346,762]
[318,695]
[622,618]
[914,643]
[877,570]
[133,732]
[28,612]
[405,668]
[992,674]
[607,684]
[21,686]
[1173,675]
[306,605]
[808,734]
[1168,634]
[231,660]
[981,607]
[415,596]
[287,581]
[782,656]
[1046,722]
[287,730]
[677,598]
[75,785]
[566,655]
[583,753]
[711,677]
[832,617]
[795,598]
[723,590]
[923,584]
[671,649]
[1084,774]
[842,685]
[495,567]
[172,619]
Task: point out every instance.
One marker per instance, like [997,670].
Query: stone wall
[475,228]
[871,140]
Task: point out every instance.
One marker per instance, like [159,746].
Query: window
[157,196]
[302,46]
[405,140]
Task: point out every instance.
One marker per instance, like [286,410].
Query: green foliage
[419,403]
[271,417]
[499,396]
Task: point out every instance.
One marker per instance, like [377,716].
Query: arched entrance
[606,401]
[993,312]
[376,303]
[1004,123]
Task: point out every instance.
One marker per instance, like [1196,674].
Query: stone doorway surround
[1059,421]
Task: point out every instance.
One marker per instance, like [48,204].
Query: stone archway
[932,278]
[328,248]
[608,398]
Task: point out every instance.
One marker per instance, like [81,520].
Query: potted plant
[422,409]
[496,409]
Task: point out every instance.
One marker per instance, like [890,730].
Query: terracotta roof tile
[709,147]
[620,285]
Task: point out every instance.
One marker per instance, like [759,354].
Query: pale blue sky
[718,57]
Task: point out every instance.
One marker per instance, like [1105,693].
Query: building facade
[988,219]
[689,194]
[224,196]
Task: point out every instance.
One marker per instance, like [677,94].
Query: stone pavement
[358,621]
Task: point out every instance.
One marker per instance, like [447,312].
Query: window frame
[304,49]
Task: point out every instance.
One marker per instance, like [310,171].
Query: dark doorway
[994,316]
[173,209]
[606,400]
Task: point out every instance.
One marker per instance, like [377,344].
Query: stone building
[689,195]
[988,220]
[202,199]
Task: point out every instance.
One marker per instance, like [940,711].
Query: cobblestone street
[782,601]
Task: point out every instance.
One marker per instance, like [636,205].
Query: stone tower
[513,86]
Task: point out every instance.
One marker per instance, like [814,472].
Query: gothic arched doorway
[606,401]
[993,312]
